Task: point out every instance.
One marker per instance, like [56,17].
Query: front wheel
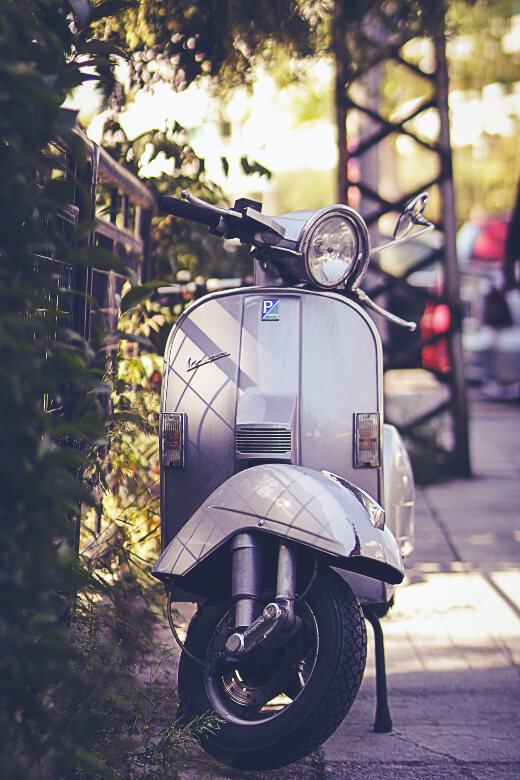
[277,706]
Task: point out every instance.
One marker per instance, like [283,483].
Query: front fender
[313,508]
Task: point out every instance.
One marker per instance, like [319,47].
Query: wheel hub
[262,684]
[247,694]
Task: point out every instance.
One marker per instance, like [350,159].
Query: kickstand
[383,721]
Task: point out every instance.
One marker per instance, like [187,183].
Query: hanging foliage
[66,702]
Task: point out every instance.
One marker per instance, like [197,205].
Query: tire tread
[335,702]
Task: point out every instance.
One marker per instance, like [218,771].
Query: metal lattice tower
[416,70]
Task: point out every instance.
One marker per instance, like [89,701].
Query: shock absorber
[286,581]
[246,571]
[278,622]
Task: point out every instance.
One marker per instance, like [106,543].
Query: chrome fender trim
[296,503]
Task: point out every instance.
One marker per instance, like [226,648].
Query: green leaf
[139,293]
[254,167]
[84,228]
[119,335]
[97,257]
[112,7]
[104,48]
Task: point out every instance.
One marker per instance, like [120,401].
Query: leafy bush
[67,705]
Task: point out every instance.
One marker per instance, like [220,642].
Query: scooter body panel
[294,503]
[399,489]
[276,375]
[299,378]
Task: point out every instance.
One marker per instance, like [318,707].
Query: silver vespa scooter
[286,502]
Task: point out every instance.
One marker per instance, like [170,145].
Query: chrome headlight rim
[355,274]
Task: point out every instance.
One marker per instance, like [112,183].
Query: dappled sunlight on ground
[454,621]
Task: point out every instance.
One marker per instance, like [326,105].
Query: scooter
[287,504]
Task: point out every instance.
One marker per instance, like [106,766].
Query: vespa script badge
[193,364]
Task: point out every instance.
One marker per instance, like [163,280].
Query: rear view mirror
[412,215]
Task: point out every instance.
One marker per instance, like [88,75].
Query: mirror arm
[363,297]
[424,229]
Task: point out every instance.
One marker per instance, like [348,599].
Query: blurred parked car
[416,302]
[490,316]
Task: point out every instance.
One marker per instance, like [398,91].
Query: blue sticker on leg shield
[270,309]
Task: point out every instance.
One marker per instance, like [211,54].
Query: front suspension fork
[277,622]
[246,574]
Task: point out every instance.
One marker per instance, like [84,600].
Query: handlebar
[243,221]
[187,210]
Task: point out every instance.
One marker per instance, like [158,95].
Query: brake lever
[364,298]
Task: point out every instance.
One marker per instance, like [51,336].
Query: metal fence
[119,209]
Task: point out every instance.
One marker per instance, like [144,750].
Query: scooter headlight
[334,243]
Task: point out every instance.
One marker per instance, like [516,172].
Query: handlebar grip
[181,208]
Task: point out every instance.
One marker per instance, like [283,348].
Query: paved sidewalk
[452,640]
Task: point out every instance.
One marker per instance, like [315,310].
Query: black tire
[289,702]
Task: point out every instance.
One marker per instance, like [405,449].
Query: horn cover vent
[263,442]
